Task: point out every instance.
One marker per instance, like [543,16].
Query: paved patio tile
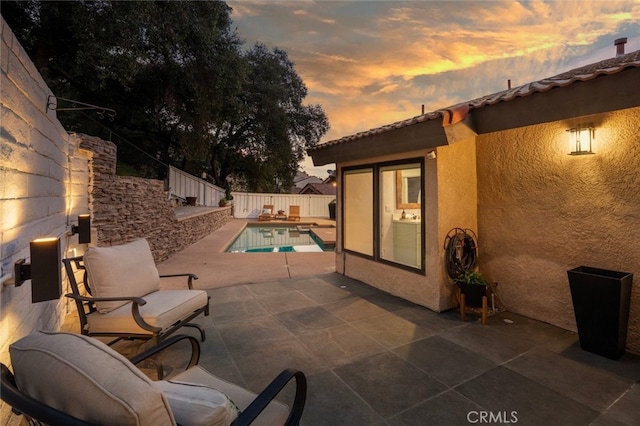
[391,330]
[223,295]
[252,333]
[260,365]
[387,301]
[339,345]
[488,342]
[354,309]
[626,411]
[308,319]
[537,332]
[288,302]
[271,288]
[428,319]
[237,310]
[503,390]
[444,360]
[583,383]
[326,294]
[377,377]
[331,402]
[447,409]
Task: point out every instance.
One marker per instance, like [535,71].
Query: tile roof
[319,188]
[587,72]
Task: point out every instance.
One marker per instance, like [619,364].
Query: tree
[185,92]
[267,135]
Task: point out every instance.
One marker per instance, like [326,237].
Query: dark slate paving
[584,383]
[447,409]
[388,383]
[374,359]
[449,363]
[501,390]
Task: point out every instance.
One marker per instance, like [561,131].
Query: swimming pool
[275,238]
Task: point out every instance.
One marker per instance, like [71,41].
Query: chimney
[619,43]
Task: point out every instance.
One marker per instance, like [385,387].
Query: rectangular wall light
[83,229]
[580,139]
[44,271]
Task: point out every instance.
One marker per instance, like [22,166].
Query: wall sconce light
[43,271]
[431,155]
[83,229]
[580,139]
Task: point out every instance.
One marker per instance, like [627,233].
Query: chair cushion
[87,379]
[198,405]
[276,412]
[266,211]
[163,308]
[126,270]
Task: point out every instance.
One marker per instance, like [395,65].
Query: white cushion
[163,308]
[125,270]
[266,211]
[198,405]
[276,412]
[87,379]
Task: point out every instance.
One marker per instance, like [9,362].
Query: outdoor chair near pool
[123,299]
[70,379]
[294,213]
[267,213]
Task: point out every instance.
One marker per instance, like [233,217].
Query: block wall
[43,179]
[47,178]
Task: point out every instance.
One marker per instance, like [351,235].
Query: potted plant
[227,195]
[222,202]
[473,285]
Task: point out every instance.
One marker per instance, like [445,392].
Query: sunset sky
[371,63]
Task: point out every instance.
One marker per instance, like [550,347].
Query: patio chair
[70,379]
[123,298]
[294,213]
[267,213]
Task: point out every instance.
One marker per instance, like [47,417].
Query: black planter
[473,294]
[601,301]
[332,210]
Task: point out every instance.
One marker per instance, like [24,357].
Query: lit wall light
[43,271]
[580,139]
[83,229]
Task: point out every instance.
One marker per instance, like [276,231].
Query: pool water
[272,239]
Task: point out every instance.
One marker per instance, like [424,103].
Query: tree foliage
[185,90]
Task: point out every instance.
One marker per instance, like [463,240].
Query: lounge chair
[294,213]
[70,379]
[123,298]
[267,213]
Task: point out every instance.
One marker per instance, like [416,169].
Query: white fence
[249,205]
[246,205]
[184,185]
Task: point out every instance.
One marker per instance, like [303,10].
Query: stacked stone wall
[125,208]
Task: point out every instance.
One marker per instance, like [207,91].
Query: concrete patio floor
[374,359]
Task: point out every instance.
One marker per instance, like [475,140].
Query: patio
[374,359]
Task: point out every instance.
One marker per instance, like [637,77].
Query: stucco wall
[450,201]
[457,201]
[542,212]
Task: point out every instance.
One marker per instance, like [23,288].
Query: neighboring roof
[623,94]
[319,188]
